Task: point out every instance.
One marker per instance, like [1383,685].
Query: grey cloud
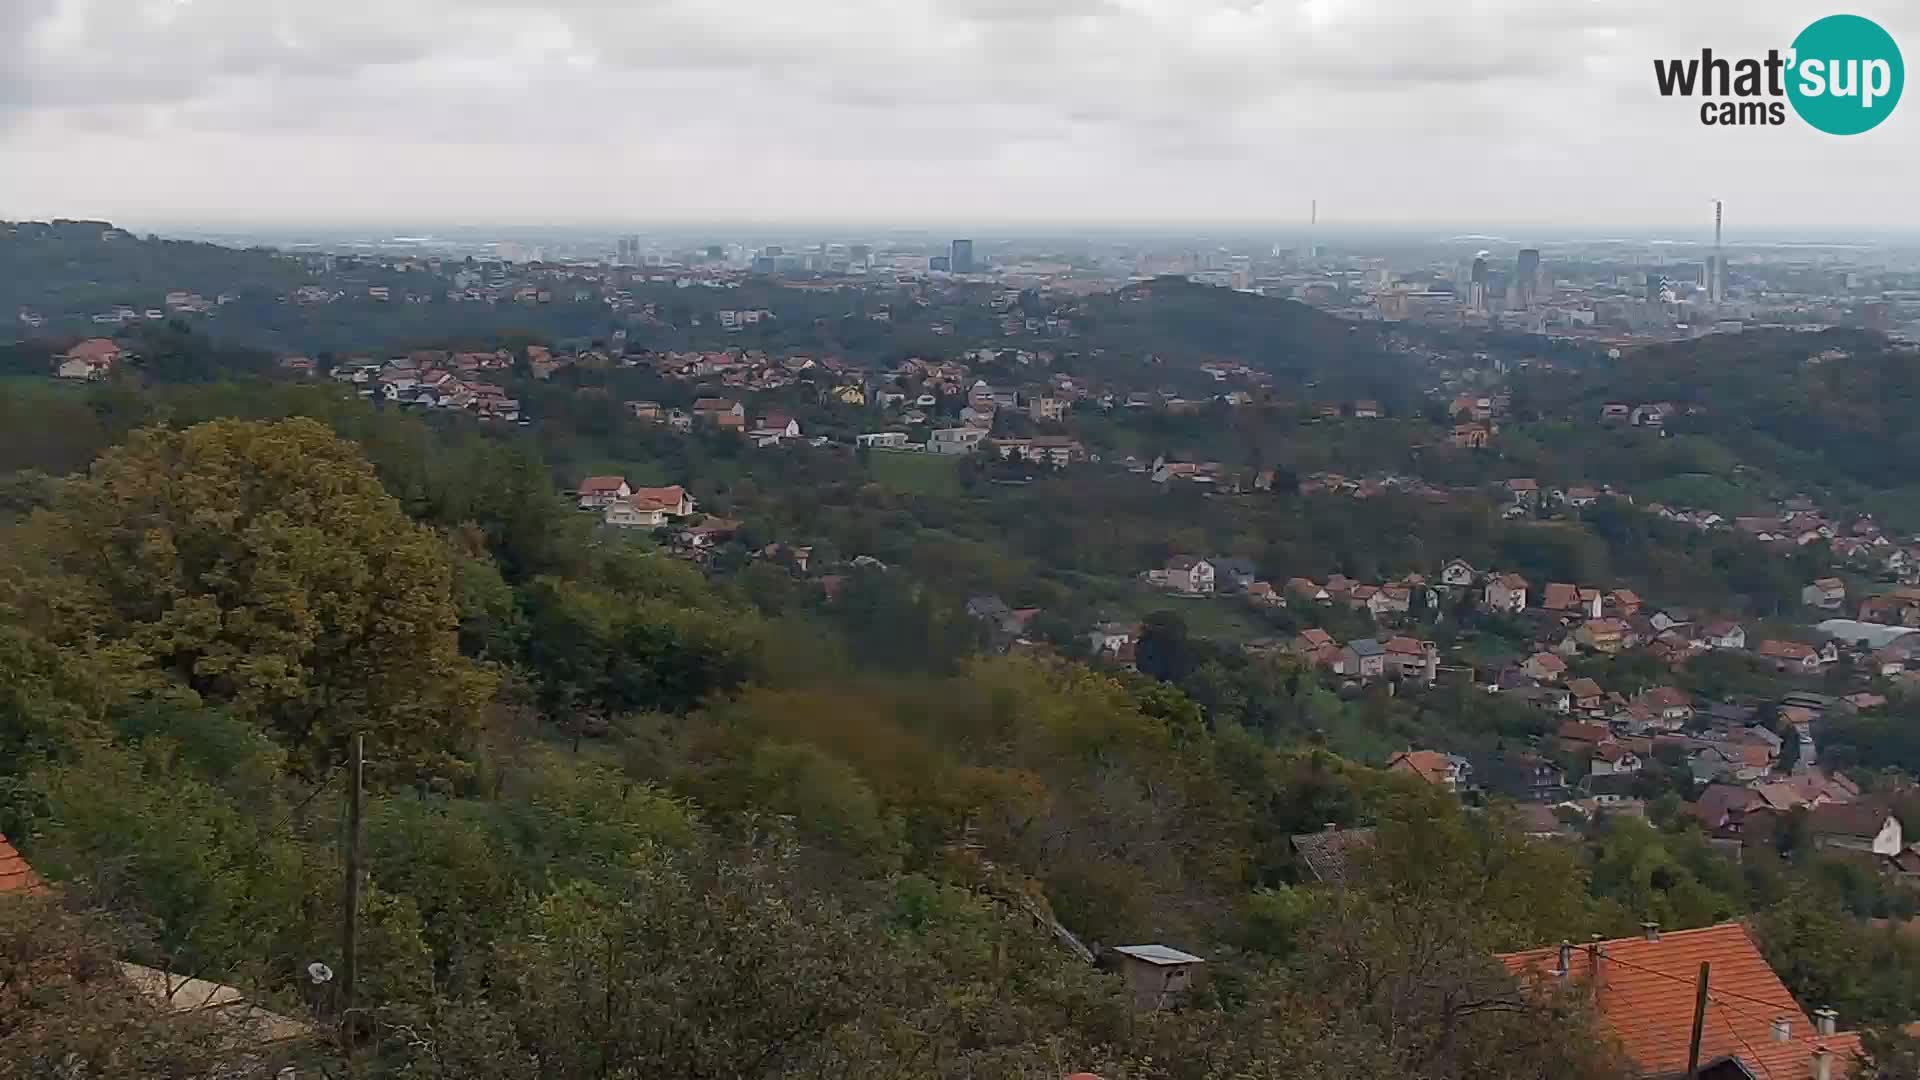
[1089,103]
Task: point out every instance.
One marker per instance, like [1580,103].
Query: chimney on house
[1826,1021]
[1822,1063]
[1329,826]
[1651,930]
[1566,958]
[1782,1029]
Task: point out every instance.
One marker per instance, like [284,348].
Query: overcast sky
[1446,112]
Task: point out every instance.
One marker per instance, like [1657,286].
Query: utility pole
[350,901]
[1699,1019]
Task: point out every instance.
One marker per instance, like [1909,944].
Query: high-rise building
[1477,296]
[1526,272]
[962,257]
[940,263]
[860,254]
[628,248]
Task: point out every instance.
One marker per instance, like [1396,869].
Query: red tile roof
[1785,650]
[15,875]
[94,349]
[660,498]
[1429,765]
[599,485]
[1575,731]
[1560,596]
[1644,993]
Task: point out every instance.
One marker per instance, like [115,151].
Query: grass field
[1218,617]
[916,473]
[37,387]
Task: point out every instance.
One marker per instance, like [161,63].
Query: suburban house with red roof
[1545,667]
[91,359]
[1432,766]
[1828,593]
[650,508]
[1572,600]
[600,492]
[1790,655]
[1506,593]
[1643,992]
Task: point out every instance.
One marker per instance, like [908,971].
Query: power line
[1717,997]
[1676,978]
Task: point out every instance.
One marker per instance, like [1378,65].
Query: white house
[1188,574]
[600,492]
[1611,758]
[1724,634]
[649,508]
[90,359]
[673,500]
[1507,593]
[1109,637]
[883,440]
[956,441]
[1828,593]
[625,515]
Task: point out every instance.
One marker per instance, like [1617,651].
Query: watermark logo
[1843,75]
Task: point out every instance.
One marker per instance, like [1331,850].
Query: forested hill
[61,266]
[1838,409]
[1180,321]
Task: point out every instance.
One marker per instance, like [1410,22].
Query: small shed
[1157,975]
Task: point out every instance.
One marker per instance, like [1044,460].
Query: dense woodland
[627,816]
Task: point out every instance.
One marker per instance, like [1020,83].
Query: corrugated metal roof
[1157,954]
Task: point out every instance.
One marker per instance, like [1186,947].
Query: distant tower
[1527,272]
[1478,297]
[1717,265]
[961,258]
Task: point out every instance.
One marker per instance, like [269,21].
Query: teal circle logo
[1846,75]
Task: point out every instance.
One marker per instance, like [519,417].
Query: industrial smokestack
[1717,277]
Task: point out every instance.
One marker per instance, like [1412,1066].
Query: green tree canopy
[263,566]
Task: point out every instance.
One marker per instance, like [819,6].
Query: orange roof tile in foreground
[15,875]
[1644,994]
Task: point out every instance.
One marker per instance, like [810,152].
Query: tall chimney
[1822,1063]
[1566,958]
[1782,1029]
[1826,1021]
[1651,930]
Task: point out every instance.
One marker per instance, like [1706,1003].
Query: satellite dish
[319,973]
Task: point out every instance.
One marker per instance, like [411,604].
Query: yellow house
[850,394]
